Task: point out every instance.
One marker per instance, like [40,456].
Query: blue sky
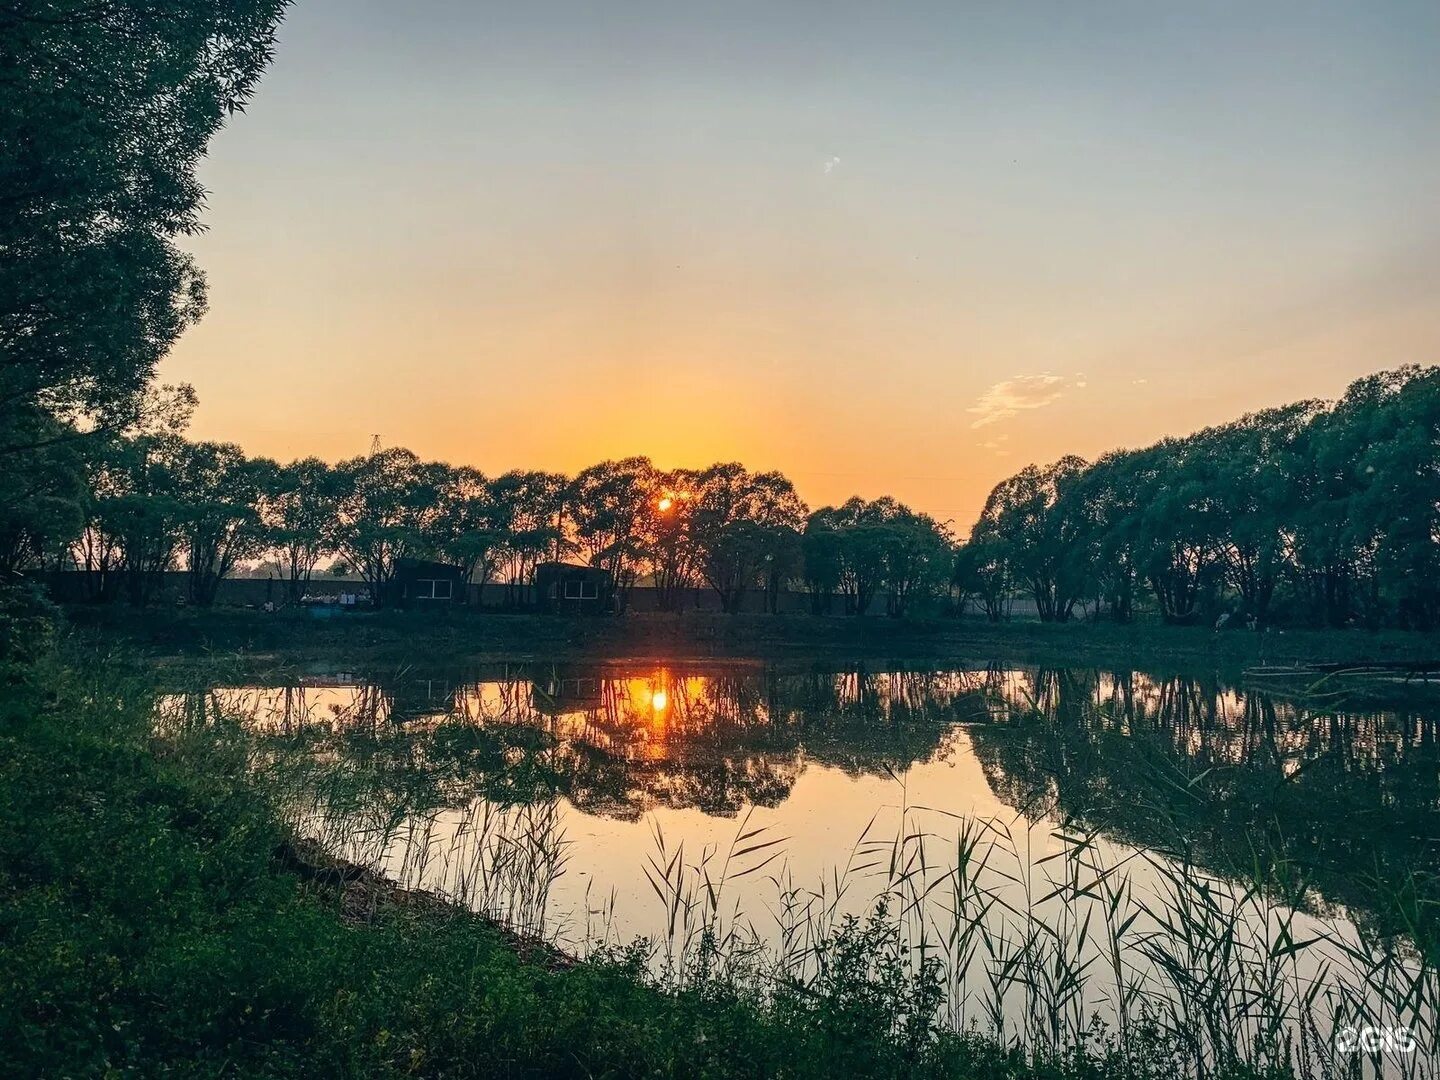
[902,248]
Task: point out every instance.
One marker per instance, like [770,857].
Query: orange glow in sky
[904,249]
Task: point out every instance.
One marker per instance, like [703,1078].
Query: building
[570,589]
[419,582]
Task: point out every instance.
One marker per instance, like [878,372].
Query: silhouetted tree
[105,111]
[1041,528]
[298,504]
[217,492]
[739,521]
[385,511]
[612,510]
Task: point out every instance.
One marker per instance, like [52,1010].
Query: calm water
[601,802]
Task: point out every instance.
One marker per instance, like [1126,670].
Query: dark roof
[427,566]
[570,568]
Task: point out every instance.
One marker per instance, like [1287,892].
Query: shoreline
[157,914]
[183,635]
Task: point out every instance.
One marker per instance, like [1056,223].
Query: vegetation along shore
[331,753]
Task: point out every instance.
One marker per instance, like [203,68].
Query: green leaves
[1326,515]
[105,112]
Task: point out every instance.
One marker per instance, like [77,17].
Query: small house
[419,583]
[570,589]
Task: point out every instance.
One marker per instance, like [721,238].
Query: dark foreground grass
[147,928]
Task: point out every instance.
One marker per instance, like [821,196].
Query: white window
[433,589]
[582,590]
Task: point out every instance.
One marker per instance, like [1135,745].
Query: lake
[1071,843]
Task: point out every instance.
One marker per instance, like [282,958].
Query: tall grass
[1137,955]
[1139,958]
[1141,953]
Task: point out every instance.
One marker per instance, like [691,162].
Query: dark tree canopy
[106,108]
[1308,513]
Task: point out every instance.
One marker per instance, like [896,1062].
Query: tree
[780,515]
[918,553]
[46,500]
[1041,527]
[1107,506]
[218,492]
[133,530]
[741,522]
[612,510]
[105,111]
[533,503]
[1173,530]
[471,524]
[1369,538]
[298,503]
[1254,470]
[784,562]
[982,570]
[673,553]
[1398,505]
[385,511]
[137,515]
[860,549]
[863,546]
[822,553]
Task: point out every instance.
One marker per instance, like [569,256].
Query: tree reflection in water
[1338,799]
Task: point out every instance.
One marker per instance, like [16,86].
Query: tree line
[1313,513]
[125,510]
[1310,514]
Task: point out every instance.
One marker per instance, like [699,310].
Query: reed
[943,927]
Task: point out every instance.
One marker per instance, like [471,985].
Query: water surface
[594,802]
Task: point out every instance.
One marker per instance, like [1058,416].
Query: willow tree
[218,493]
[385,512]
[105,112]
[742,528]
[612,506]
[297,507]
[1035,518]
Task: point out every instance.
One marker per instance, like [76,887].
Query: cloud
[830,164]
[1020,394]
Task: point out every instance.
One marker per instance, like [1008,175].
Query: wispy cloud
[997,445]
[1020,394]
[830,164]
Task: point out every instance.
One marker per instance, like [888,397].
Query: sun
[659,701]
[665,503]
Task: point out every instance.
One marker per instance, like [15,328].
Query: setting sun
[665,503]
[659,701]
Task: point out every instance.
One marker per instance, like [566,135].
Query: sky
[895,249]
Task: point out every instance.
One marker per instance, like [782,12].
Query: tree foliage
[106,109]
[1306,513]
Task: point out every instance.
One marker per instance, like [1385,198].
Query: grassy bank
[462,633]
[148,927]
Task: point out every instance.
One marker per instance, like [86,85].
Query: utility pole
[374,445]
